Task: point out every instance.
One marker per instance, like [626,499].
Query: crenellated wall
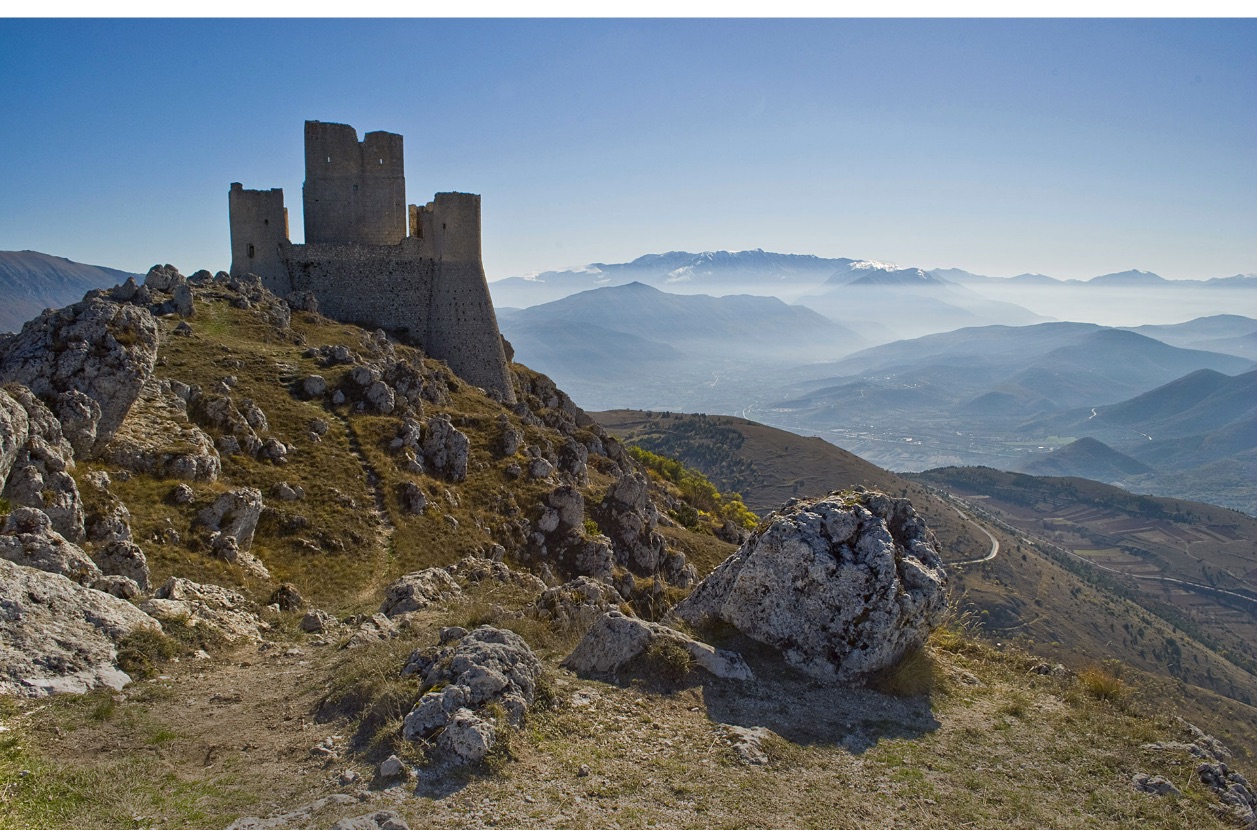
[427,287]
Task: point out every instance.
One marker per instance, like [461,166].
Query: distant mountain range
[615,341]
[31,281]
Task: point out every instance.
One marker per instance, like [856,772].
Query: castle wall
[259,228]
[427,288]
[354,192]
[443,306]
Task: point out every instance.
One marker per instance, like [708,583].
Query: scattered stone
[382,820]
[1154,784]
[576,604]
[318,622]
[373,629]
[844,585]
[393,767]
[418,590]
[123,558]
[234,513]
[285,492]
[747,743]
[182,494]
[412,498]
[445,449]
[315,386]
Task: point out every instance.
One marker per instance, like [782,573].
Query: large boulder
[445,449]
[234,513]
[844,585]
[87,362]
[58,636]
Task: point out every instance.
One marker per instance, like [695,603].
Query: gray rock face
[157,439]
[221,610]
[234,513]
[576,604]
[41,458]
[29,539]
[460,678]
[445,449]
[615,640]
[102,349]
[123,558]
[418,590]
[844,585]
[629,518]
[57,636]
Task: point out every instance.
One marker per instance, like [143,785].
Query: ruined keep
[372,260]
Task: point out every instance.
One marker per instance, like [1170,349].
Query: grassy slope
[1073,615]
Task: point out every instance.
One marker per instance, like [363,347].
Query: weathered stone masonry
[370,259]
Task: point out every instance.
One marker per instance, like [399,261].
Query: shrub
[1101,683]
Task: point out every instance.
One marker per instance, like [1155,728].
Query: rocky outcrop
[158,439]
[234,513]
[87,362]
[462,677]
[445,449]
[615,641]
[58,636]
[29,539]
[629,518]
[844,585]
[40,459]
[222,611]
[416,591]
[1238,798]
[576,604]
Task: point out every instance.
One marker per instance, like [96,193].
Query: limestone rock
[412,498]
[1154,784]
[318,622]
[576,604]
[629,518]
[100,348]
[58,636]
[157,438]
[615,640]
[41,458]
[287,597]
[315,386]
[445,449]
[28,539]
[221,610]
[418,590]
[461,678]
[844,585]
[123,558]
[14,430]
[472,570]
[234,513]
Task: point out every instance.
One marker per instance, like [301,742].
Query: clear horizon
[1072,148]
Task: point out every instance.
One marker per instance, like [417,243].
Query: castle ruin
[372,260]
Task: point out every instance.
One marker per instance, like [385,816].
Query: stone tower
[355,192]
[427,286]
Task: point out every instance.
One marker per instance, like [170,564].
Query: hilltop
[325,519]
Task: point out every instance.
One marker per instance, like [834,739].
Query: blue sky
[1066,147]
